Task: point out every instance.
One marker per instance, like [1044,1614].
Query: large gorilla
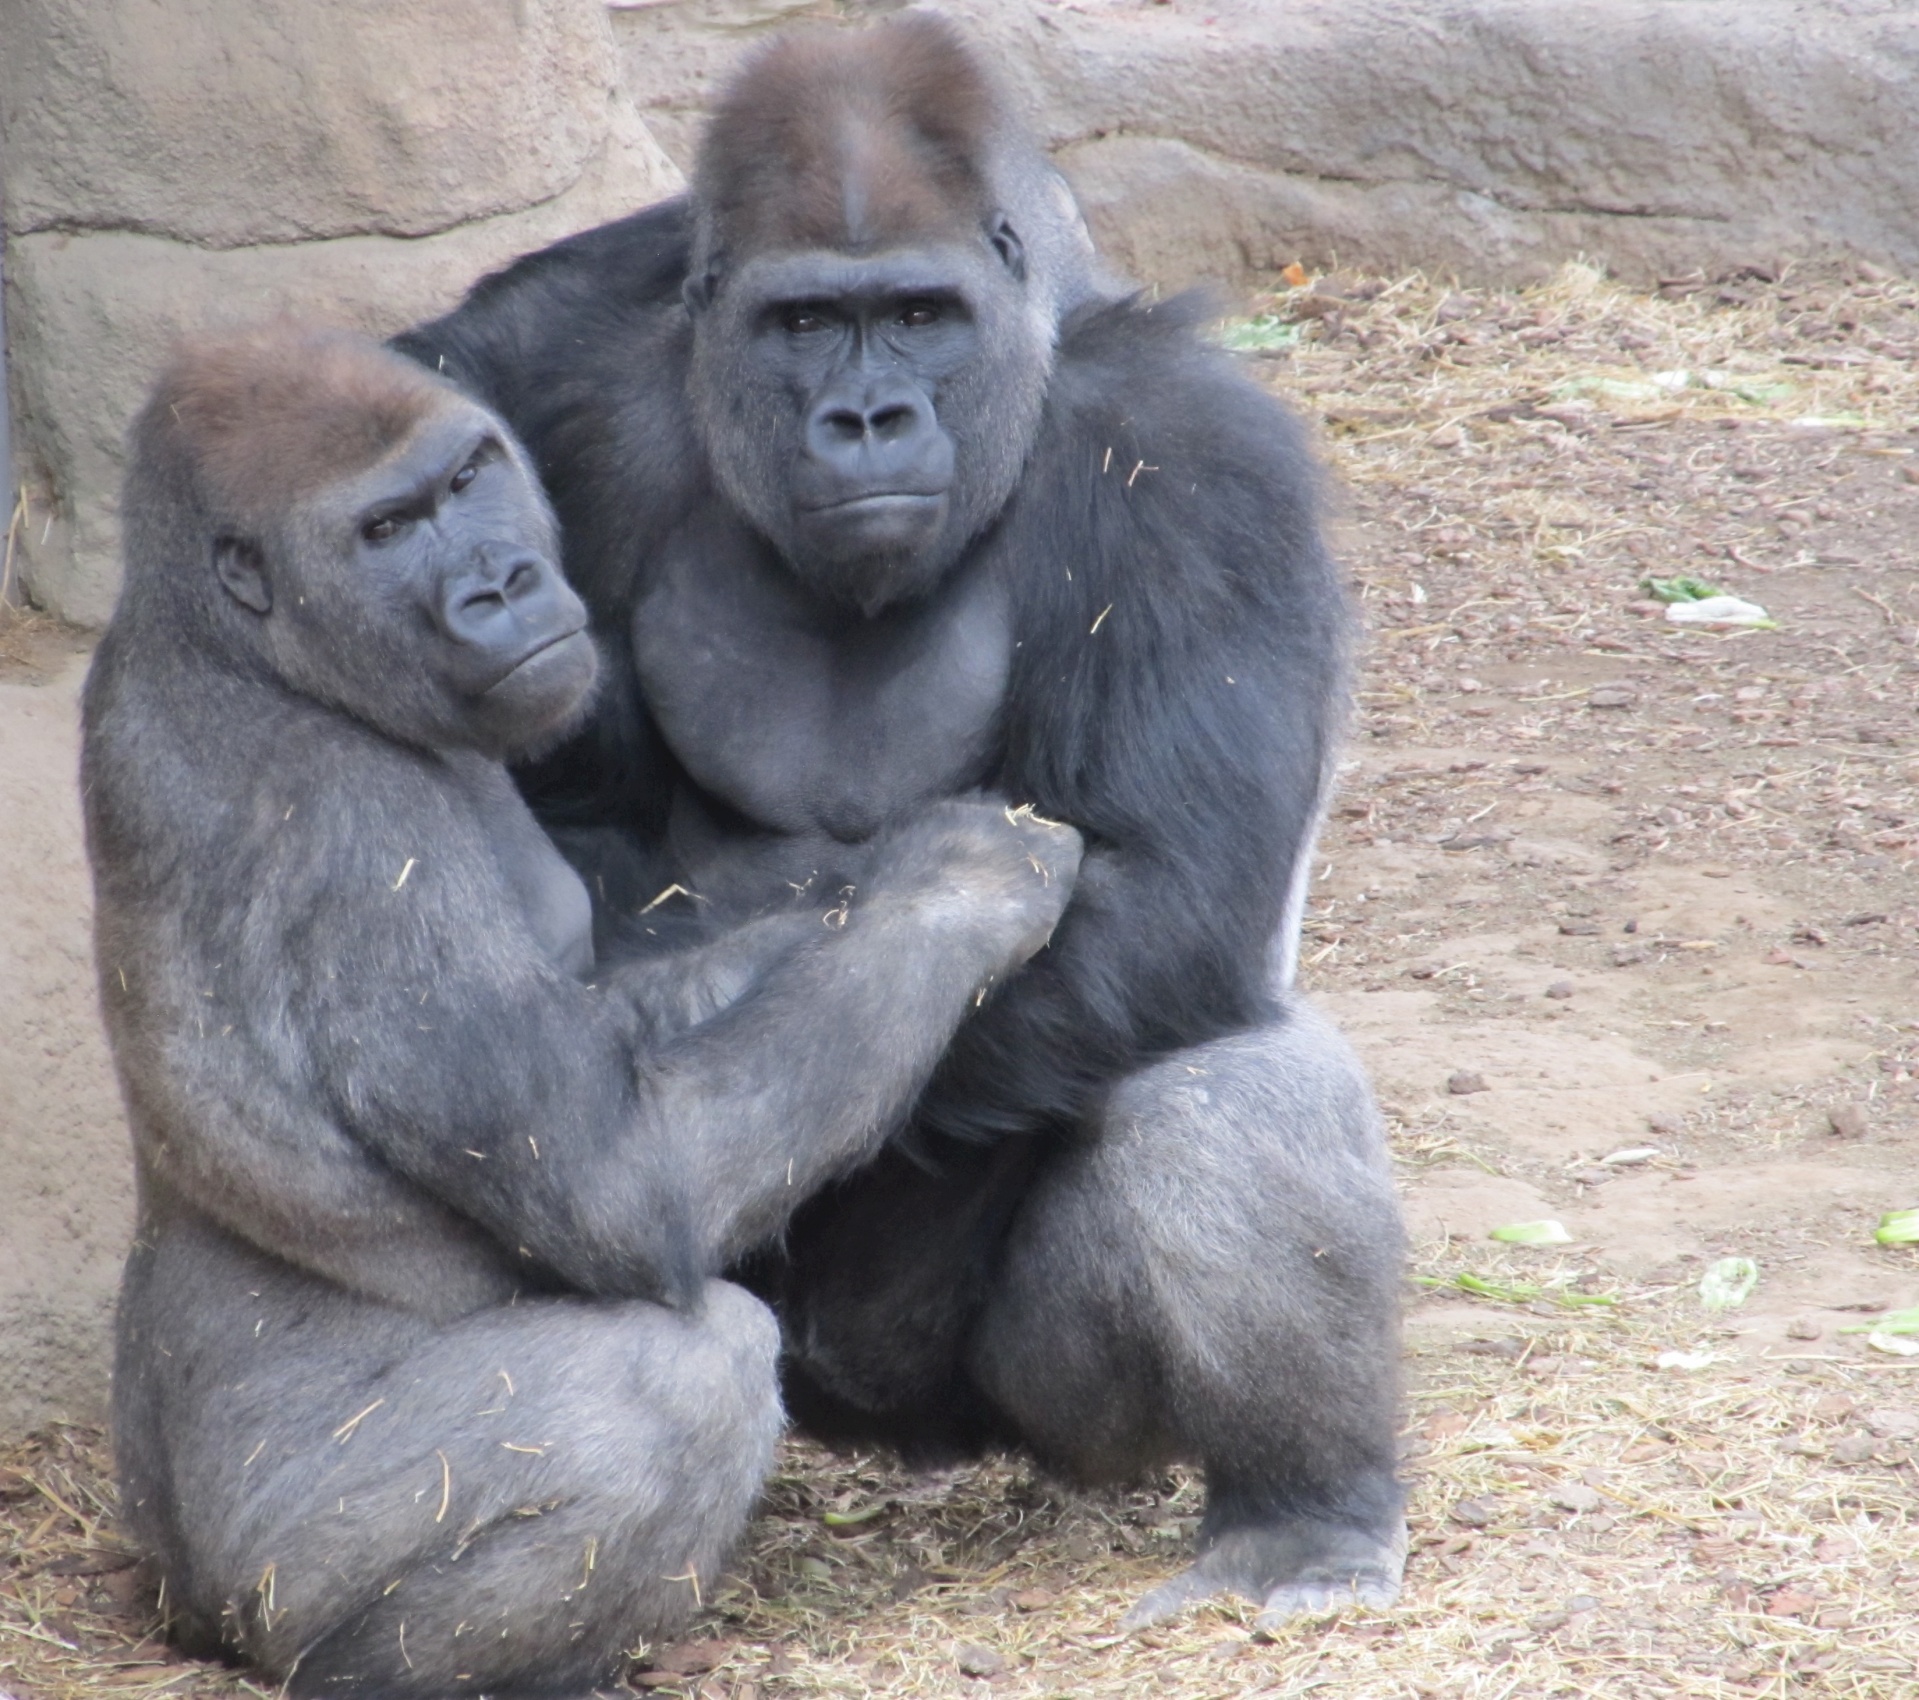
[422,1386]
[879,491]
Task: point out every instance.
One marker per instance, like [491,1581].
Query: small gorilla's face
[869,415]
[422,596]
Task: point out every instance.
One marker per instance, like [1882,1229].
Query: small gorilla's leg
[1214,1277]
[365,1504]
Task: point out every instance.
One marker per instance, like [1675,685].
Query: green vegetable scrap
[1516,1292]
[1264,334]
[1893,1322]
[1533,1233]
[1728,1283]
[1679,589]
[1898,1227]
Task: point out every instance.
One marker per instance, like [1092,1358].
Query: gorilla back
[423,1383]
[881,491]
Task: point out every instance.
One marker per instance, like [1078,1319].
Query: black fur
[1141,632]
[424,1381]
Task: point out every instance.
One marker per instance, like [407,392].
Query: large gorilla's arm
[1174,696]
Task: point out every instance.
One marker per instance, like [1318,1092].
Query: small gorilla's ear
[242,571]
[1006,244]
[698,290]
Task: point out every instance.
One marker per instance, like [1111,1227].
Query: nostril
[894,421]
[844,423]
[478,607]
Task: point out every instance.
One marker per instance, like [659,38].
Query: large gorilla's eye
[804,321]
[465,475]
[916,314]
[382,529]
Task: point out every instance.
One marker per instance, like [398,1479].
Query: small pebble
[1848,1121]
[975,1660]
[1802,1328]
[1463,1081]
[1611,696]
[1560,989]
[1576,1496]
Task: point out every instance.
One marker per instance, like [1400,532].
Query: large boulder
[228,122]
[1491,138]
[91,315]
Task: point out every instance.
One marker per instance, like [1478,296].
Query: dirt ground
[1596,887]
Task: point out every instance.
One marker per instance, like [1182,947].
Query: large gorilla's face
[870,414]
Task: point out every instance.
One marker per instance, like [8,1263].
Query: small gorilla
[423,1385]
[880,491]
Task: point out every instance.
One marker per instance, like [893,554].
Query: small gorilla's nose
[508,604]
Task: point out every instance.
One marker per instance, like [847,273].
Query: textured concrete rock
[91,316]
[227,122]
[66,1179]
[1495,138]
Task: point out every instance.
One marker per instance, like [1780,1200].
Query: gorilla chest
[808,719]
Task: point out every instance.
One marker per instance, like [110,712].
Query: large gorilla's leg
[365,1503]
[1214,1277]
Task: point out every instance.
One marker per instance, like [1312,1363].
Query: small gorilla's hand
[1001,873]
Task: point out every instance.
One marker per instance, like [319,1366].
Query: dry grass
[1584,1523]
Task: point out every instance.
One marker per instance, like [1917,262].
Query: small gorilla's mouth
[544,647]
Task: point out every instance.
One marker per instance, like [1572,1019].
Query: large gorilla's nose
[877,437]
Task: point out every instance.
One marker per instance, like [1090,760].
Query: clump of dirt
[1653,887]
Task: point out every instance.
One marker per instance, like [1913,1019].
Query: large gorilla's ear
[1006,244]
[241,568]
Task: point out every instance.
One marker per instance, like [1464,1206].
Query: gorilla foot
[1288,1570]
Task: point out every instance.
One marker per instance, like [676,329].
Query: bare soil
[1593,884]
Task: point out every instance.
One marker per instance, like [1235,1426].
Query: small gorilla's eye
[381,530]
[919,313]
[804,321]
[465,475]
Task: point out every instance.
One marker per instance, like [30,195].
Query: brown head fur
[849,141]
[270,415]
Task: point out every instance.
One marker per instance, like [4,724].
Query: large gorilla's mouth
[879,502]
